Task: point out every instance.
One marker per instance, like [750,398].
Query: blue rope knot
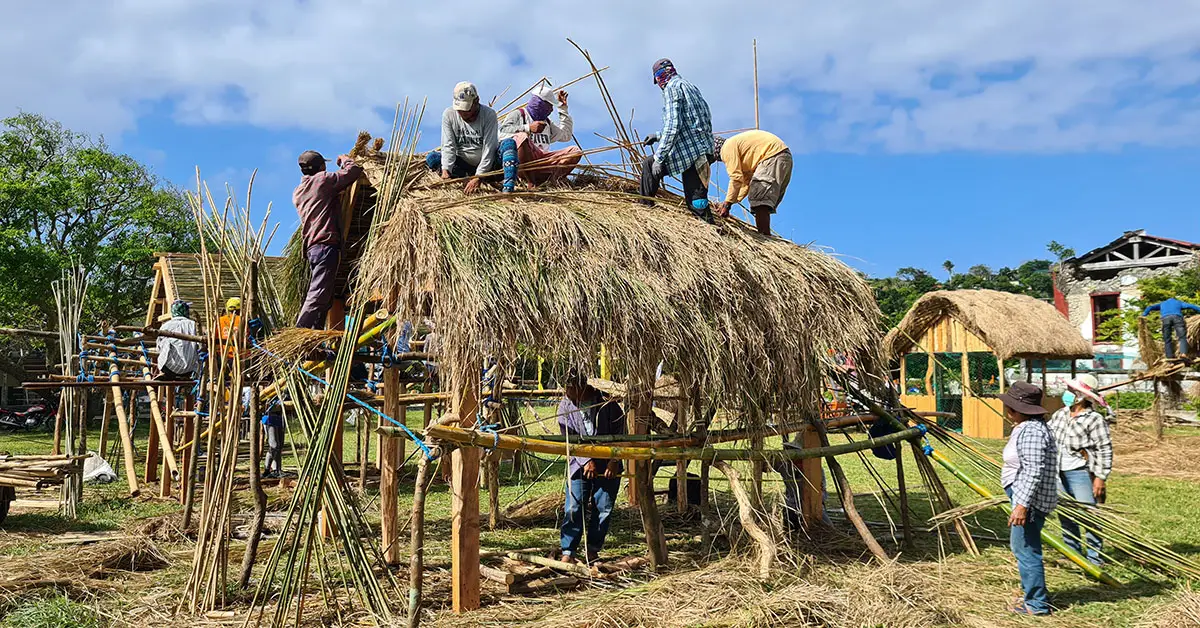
[928,449]
[924,430]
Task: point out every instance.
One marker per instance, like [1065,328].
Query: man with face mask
[1085,456]
[533,131]
[685,145]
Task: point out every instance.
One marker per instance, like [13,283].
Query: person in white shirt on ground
[1085,457]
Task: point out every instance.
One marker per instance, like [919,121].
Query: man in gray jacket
[471,145]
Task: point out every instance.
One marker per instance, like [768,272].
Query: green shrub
[1130,400]
[52,611]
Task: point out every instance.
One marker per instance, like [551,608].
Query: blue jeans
[506,155]
[1078,484]
[1026,543]
[1174,326]
[603,494]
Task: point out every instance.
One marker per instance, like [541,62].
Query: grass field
[944,585]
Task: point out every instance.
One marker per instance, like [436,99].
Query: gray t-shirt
[475,143]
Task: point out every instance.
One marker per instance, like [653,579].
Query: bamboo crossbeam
[572,568]
[151,332]
[517,443]
[106,385]
[37,333]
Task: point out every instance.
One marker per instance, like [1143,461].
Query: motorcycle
[31,418]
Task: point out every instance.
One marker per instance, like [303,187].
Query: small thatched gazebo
[952,346]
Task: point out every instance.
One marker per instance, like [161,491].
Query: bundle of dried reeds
[69,294]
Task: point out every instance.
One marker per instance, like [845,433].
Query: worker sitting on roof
[1172,311]
[178,358]
[685,145]
[320,223]
[229,323]
[585,411]
[760,164]
[530,127]
[471,145]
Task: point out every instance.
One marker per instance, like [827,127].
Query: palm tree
[949,266]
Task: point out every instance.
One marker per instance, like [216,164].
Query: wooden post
[126,436]
[389,473]
[104,420]
[812,495]
[58,423]
[1159,419]
[905,518]
[193,427]
[656,542]
[416,546]
[464,506]
[847,494]
[1029,371]
[493,460]
[702,419]
[681,467]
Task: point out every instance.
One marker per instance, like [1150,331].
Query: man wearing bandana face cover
[685,145]
[533,131]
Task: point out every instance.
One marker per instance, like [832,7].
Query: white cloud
[848,75]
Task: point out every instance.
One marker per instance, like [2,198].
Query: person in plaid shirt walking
[1030,478]
[685,146]
[1085,457]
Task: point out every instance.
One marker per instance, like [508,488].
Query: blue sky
[971,131]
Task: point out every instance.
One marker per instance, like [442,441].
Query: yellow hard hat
[234,303]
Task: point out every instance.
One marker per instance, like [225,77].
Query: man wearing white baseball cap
[1085,457]
[471,144]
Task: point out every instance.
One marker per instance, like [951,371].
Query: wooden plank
[464,507]
[812,500]
[155,295]
[389,473]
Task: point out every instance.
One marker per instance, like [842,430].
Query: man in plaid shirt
[685,146]
[1030,478]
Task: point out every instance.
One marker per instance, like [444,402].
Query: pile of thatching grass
[1193,332]
[751,319]
[725,593]
[1184,610]
[1011,324]
[293,277]
[81,568]
[296,343]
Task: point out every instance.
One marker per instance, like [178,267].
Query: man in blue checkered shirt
[1030,478]
[685,145]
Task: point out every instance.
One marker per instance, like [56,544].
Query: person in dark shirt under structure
[316,200]
[586,411]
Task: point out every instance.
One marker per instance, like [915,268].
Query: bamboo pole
[656,540]
[389,473]
[105,418]
[126,435]
[905,518]
[417,544]
[754,43]
[571,568]
[847,495]
[260,495]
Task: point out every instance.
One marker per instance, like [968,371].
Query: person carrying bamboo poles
[471,145]
[316,200]
[1085,457]
[1030,479]
[533,131]
[685,144]
[585,411]
[760,167]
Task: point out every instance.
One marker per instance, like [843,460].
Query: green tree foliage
[897,294]
[65,197]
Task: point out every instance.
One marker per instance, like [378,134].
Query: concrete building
[1088,287]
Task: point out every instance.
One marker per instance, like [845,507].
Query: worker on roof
[759,165]
[1085,457]
[1173,324]
[229,323]
[533,131]
[316,200]
[685,144]
[585,411]
[178,358]
[471,145]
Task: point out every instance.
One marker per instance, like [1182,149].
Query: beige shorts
[770,180]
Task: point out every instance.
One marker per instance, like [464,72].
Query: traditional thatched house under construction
[952,346]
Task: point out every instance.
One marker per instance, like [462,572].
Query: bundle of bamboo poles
[38,471]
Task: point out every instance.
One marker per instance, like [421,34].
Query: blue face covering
[1068,399]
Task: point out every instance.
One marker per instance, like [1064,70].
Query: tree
[1059,251]
[949,267]
[896,295]
[65,197]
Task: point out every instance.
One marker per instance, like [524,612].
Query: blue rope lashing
[928,449]
[385,357]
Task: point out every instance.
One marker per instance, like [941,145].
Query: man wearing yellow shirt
[760,167]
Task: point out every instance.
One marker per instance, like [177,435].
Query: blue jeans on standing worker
[601,493]
[506,155]
[1174,326]
[1026,543]
[1078,484]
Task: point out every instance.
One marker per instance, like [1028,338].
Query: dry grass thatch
[1013,325]
[751,319]
[1184,610]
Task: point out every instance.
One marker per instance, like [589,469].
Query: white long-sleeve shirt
[476,143]
[175,355]
[517,121]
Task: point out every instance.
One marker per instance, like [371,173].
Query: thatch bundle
[1013,325]
[751,319]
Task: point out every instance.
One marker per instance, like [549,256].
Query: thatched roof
[1013,325]
[559,273]
[182,278]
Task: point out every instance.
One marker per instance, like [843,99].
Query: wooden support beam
[847,493]
[389,473]
[905,518]
[812,496]
[464,507]
[656,541]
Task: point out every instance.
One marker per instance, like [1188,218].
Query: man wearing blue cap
[685,145]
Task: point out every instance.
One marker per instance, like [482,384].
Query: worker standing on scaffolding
[1173,324]
[585,411]
[178,358]
[320,223]
[685,145]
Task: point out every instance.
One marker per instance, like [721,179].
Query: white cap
[465,96]
[544,92]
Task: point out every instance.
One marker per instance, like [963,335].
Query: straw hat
[1086,385]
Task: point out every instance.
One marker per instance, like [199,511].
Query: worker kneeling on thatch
[585,411]
[530,127]
[759,164]
[471,145]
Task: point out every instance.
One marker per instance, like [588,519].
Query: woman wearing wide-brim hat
[1030,478]
[1085,456]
